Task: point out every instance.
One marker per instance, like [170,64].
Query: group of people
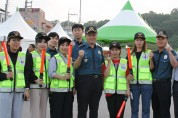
[91,72]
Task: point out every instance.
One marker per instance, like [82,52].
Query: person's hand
[27,94]
[81,53]
[74,91]
[151,55]
[128,93]
[39,81]
[66,76]
[108,59]
[9,75]
[168,48]
[130,77]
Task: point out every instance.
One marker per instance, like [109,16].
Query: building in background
[2,16]
[35,18]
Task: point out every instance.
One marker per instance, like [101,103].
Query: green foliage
[96,24]
[167,22]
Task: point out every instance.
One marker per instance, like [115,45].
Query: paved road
[103,112]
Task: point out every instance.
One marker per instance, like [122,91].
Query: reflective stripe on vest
[60,89]
[110,81]
[144,73]
[7,85]
[58,85]
[36,68]
[37,86]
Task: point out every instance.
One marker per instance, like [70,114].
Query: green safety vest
[110,83]
[36,68]
[144,74]
[18,82]
[59,85]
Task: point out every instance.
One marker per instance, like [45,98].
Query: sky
[91,9]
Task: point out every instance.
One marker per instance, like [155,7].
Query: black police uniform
[162,74]
[89,81]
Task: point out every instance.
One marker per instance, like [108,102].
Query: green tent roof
[123,27]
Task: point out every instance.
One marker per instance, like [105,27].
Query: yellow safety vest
[36,68]
[18,82]
[110,84]
[144,74]
[59,85]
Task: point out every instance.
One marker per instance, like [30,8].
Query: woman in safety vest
[62,82]
[141,80]
[37,66]
[115,82]
[12,79]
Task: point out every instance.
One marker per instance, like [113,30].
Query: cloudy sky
[91,9]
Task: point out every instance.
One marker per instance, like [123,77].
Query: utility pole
[69,21]
[27,6]
[80,11]
[6,9]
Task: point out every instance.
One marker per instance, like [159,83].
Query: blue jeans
[145,90]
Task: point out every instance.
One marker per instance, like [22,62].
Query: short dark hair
[53,34]
[33,45]
[77,26]
[62,40]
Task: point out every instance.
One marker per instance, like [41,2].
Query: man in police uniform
[88,65]
[164,61]
[175,90]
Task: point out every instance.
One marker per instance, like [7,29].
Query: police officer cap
[14,34]
[114,45]
[139,35]
[162,33]
[90,29]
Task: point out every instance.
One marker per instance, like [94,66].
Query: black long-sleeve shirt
[29,73]
[13,57]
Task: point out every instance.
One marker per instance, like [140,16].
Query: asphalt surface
[102,113]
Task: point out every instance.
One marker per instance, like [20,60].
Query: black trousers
[62,104]
[50,104]
[114,103]
[161,99]
[175,98]
[89,90]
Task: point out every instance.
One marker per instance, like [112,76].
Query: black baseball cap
[114,45]
[62,40]
[90,29]
[53,34]
[139,35]
[162,33]
[14,34]
[40,36]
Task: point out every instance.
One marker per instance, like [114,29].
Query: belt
[91,76]
[175,81]
[161,80]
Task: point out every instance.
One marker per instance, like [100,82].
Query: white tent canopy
[17,23]
[58,29]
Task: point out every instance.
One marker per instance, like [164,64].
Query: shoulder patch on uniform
[98,45]
[81,45]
